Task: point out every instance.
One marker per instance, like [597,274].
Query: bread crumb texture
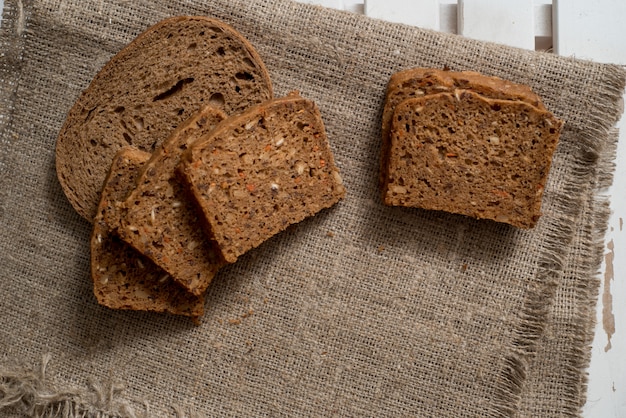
[123,278]
[262,171]
[161,222]
[143,93]
[419,82]
[463,153]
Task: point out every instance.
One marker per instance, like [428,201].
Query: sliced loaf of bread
[463,153]
[418,82]
[123,278]
[158,218]
[261,171]
[160,79]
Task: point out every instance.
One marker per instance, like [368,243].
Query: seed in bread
[161,222]
[261,171]
[160,79]
[123,278]
[465,154]
[418,82]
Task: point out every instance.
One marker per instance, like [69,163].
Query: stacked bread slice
[122,277]
[261,171]
[138,156]
[160,222]
[466,143]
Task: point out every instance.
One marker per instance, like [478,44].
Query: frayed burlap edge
[599,148]
[588,285]
[594,170]
[31,393]
[595,174]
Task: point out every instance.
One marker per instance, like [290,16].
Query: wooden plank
[593,30]
[335,4]
[354,6]
[423,14]
[510,23]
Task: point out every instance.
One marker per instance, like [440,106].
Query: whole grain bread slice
[161,222]
[261,171]
[463,153]
[123,278]
[160,79]
[418,82]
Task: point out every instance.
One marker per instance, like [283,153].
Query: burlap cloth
[363,310]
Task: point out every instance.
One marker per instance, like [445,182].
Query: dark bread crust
[261,171]
[159,219]
[123,278]
[466,154]
[418,82]
[161,78]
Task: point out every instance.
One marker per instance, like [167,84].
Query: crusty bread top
[418,82]
[463,153]
[166,74]
[261,171]
[123,278]
[161,222]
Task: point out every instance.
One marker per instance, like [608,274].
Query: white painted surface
[354,6]
[543,18]
[509,22]
[335,4]
[423,14]
[591,29]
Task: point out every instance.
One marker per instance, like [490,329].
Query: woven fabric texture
[363,310]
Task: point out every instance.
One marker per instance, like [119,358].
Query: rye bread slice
[160,79]
[161,222]
[123,278]
[462,153]
[261,171]
[418,82]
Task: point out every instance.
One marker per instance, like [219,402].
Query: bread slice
[123,278]
[161,222]
[418,82]
[462,153]
[160,79]
[261,171]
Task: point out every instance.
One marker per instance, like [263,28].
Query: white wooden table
[591,30]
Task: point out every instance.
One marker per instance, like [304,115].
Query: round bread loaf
[145,91]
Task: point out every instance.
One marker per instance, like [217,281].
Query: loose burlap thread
[363,310]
